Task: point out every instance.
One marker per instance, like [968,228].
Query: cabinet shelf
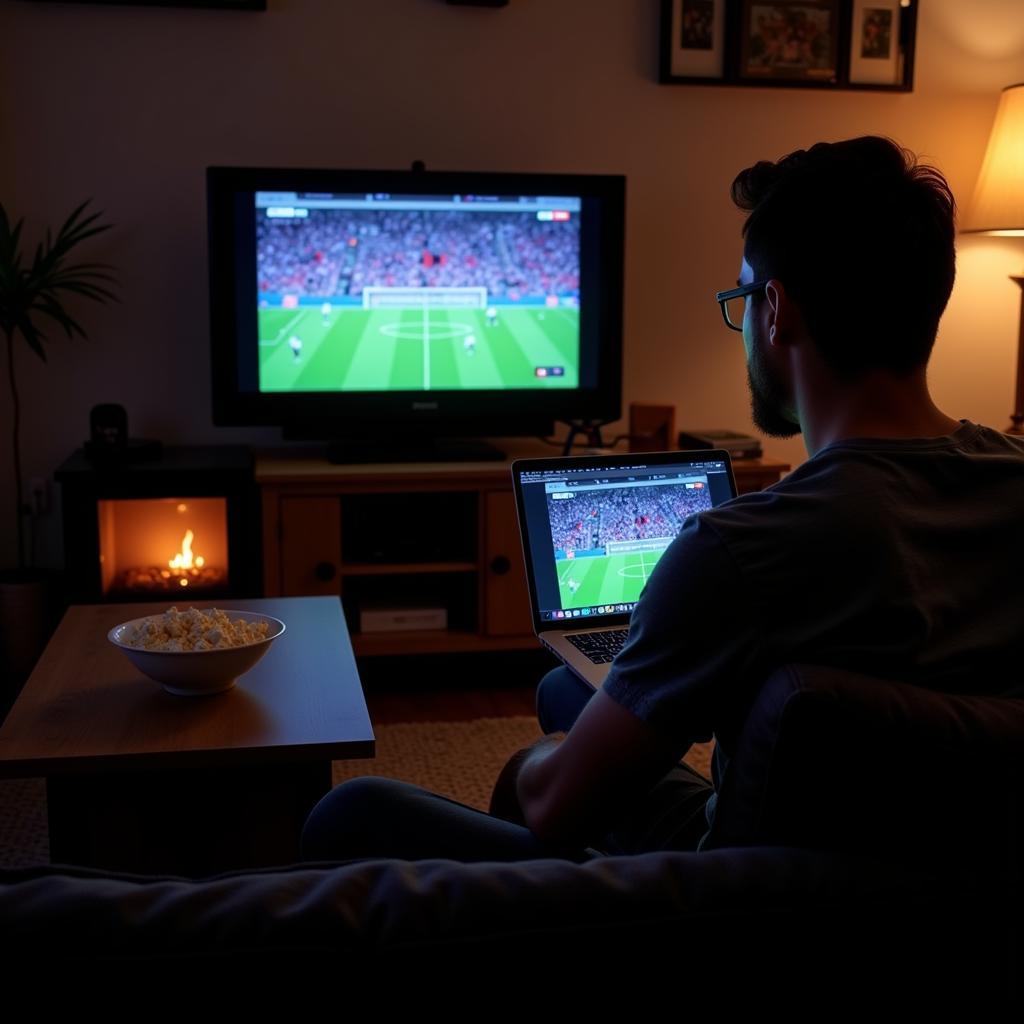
[403,568]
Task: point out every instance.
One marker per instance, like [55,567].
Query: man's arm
[505,798]
[569,792]
[693,635]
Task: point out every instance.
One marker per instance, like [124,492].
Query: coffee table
[140,780]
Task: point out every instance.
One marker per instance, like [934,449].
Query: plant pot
[24,620]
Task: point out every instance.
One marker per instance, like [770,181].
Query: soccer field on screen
[607,579]
[355,349]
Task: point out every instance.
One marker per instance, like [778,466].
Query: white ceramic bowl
[196,673]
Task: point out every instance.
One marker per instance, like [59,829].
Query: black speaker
[108,429]
[109,443]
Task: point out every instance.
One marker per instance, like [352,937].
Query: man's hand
[505,799]
[570,791]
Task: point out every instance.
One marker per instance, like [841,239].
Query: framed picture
[812,44]
[875,52]
[693,39]
[234,5]
[792,40]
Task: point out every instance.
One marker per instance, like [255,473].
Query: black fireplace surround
[224,471]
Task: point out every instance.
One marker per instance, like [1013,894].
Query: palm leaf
[90,291]
[104,267]
[10,256]
[83,270]
[73,232]
[53,309]
[32,335]
[38,288]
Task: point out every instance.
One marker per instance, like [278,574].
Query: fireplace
[163,546]
[184,526]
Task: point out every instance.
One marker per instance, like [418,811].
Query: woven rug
[460,760]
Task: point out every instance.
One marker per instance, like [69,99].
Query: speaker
[108,428]
[109,443]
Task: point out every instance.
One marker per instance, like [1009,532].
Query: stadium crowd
[591,520]
[334,253]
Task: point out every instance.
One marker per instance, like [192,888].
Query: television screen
[396,305]
[390,292]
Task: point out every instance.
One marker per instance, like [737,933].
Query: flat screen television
[397,311]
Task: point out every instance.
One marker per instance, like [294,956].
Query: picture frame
[231,5]
[810,44]
[792,41]
[875,54]
[693,32]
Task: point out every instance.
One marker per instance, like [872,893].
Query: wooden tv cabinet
[431,535]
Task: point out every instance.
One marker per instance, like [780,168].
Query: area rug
[460,760]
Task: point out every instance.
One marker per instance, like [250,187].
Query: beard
[767,400]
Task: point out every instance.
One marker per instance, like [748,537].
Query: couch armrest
[830,759]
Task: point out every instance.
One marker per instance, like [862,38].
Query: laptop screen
[594,533]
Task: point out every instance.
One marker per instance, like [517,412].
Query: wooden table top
[86,708]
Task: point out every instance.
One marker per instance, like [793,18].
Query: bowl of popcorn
[196,652]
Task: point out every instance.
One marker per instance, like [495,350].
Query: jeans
[372,817]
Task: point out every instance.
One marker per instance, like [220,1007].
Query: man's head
[860,237]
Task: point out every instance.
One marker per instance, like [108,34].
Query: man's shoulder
[798,498]
[845,465]
[853,482]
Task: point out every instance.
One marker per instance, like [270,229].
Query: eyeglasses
[734,303]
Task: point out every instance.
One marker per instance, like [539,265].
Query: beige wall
[128,105]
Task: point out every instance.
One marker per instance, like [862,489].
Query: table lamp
[997,207]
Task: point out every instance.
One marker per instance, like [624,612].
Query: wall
[128,105]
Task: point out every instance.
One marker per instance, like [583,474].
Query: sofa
[866,845]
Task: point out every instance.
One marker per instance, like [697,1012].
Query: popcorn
[193,630]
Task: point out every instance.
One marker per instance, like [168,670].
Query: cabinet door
[310,546]
[506,599]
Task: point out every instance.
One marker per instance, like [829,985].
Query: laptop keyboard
[600,647]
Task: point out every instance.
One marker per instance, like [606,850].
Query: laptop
[593,529]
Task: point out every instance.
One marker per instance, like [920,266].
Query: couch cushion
[836,760]
[757,907]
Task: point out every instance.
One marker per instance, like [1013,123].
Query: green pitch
[608,579]
[415,349]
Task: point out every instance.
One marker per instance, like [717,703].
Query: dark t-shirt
[897,558]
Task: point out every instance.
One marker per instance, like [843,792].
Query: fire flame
[184,558]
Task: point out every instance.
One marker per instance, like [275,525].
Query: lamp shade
[998,202]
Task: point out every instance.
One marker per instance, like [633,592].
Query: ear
[779,311]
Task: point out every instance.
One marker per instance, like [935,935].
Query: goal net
[375,297]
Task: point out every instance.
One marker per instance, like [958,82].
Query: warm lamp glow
[998,203]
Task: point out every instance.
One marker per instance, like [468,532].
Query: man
[893,550]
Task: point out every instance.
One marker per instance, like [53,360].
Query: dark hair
[861,236]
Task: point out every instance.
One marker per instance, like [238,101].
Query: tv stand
[591,429]
[413,537]
[410,449]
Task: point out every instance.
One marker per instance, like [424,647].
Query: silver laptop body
[593,528]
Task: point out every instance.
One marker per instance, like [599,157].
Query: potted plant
[33,292]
